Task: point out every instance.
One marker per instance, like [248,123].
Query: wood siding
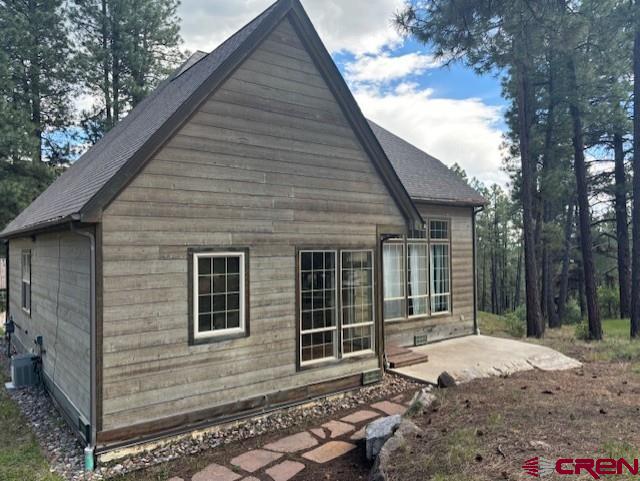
[268,163]
[60,311]
[460,320]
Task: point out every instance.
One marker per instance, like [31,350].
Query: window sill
[333,362]
[196,341]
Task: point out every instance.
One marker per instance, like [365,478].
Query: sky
[447,111]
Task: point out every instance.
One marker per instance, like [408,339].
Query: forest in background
[563,243]
[555,247]
[110,53]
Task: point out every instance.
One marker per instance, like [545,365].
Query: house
[243,240]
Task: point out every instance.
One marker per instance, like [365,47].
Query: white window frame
[447,243]
[426,296]
[403,260]
[25,259]
[241,303]
[337,340]
[371,323]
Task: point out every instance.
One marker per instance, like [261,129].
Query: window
[318,306]
[417,279]
[219,297]
[440,272]
[26,281]
[356,285]
[394,280]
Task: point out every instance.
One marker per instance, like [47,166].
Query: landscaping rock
[378,432]
[424,398]
[446,380]
[397,441]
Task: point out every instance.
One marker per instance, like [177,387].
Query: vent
[370,377]
[23,371]
[420,340]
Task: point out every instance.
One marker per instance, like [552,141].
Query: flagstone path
[284,458]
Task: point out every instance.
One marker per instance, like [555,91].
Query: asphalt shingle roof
[423,176]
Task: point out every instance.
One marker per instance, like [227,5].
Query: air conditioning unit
[23,371]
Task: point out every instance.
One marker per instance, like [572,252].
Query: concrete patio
[472,357]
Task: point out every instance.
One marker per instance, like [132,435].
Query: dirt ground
[486,429]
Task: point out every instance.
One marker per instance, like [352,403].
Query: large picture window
[26,281]
[356,285]
[219,297]
[440,271]
[337,310]
[394,280]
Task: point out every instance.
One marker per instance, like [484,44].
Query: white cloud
[453,130]
[385,68]
[357,26]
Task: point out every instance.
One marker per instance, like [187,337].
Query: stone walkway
[284,458]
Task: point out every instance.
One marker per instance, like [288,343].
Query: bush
[582,331]
[572,313]
[609,300]
[516,322]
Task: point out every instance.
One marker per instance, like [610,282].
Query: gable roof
[425,177]
[99,175]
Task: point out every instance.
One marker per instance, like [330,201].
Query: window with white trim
[26,281]
[318,306]
[219,297]
[417,278]
[356,285]
[393,260]
[439,266]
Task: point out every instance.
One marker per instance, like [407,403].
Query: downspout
[6,276]
[91,442]
[476,327]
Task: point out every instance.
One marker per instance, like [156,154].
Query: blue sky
[450,112]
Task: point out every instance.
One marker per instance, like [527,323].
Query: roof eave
[451,202]
[39,227]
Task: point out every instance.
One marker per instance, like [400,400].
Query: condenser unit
[23,372]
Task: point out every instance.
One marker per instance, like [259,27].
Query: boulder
[446,380]
[420,402]
[378,432]
[404,430]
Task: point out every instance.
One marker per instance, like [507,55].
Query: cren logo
[538,467]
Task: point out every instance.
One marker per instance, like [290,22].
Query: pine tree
[36,47]
[126,48]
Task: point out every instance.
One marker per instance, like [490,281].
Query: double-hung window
[336,304]
[440,270]
[219,303]
[26,281]
[318,306]
[356,285]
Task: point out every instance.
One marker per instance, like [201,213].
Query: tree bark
[494,258]
[635,284]
[535,326]
[622,227]
[105,66]
[566,257]
[516,295]
[580,167]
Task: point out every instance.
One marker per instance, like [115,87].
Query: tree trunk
[622,227]
[535,326]
[106,88]
[516,294]
[566,257]
[595,327]
[635,284]
[494,259]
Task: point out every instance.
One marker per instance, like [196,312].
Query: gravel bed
[66,456]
